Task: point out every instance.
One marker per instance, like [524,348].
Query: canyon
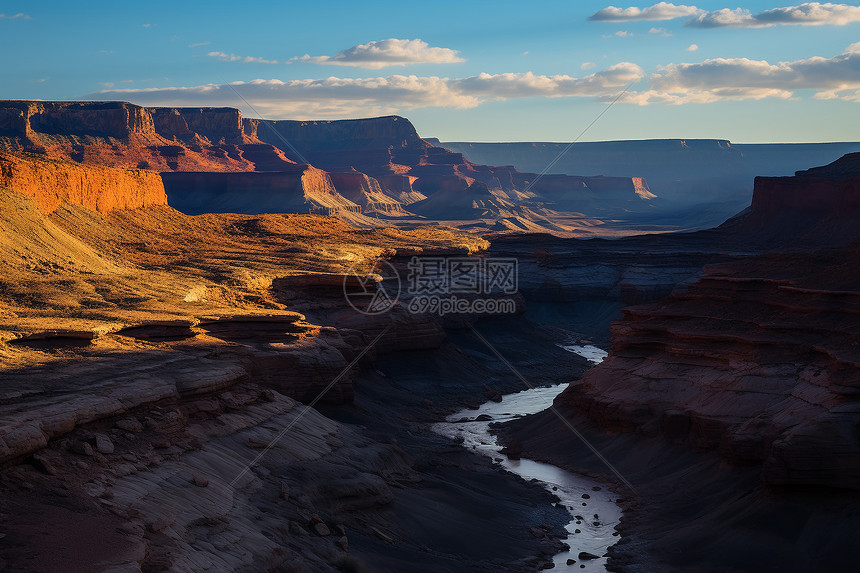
[363,170]
[184,385]
[702,181]
[730,402]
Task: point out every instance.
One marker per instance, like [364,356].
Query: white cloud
[623,34]
[18,16]
[692,47]
[587,65]
[234,58]
[806,14]
[199,44]
[741,78]
[339,97]
[660,32]
[659,11]
[391,52]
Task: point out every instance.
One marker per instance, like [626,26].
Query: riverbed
[592,507]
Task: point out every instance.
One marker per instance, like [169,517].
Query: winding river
[592,509]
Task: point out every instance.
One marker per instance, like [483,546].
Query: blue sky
[476,71]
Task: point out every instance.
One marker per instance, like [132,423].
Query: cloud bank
[340,97]
[659,11]
[724,79]
[391,52]
[806,14]
[712,80]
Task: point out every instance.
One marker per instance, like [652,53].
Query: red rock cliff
[103,189]
[121,134]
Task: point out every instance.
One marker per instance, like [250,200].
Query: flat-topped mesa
[384,147]
[330,143]
[380,164]
[222,125]
[29,119]
[121,134]
[102,189]
[833,189]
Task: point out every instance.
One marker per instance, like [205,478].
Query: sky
[461,71]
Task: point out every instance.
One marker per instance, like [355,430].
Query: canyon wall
[121,134]
[831,189]
[119,120]
[379,164]
[756,359]
[389,147]
[102,189]
[366,192]
[305,189]
[215,125]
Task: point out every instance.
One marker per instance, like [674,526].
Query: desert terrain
[185,387]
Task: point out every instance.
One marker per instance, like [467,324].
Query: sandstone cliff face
[366,192]
[121,134]
[102,189]
[381,163]
[320,138]
[305,189]
[110,119]
[215,125]
[387,147]
[757,359]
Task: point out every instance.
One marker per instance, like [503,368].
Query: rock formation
[758,358]
[376,166]
[304,189]
[150,368]
[50,183]
[388,147]
[702,181]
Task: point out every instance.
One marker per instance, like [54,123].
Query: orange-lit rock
[103,189]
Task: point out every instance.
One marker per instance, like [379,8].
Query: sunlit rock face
[102,189]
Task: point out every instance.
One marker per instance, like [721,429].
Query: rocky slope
[148,360]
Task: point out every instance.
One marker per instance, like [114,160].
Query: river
[593,511]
